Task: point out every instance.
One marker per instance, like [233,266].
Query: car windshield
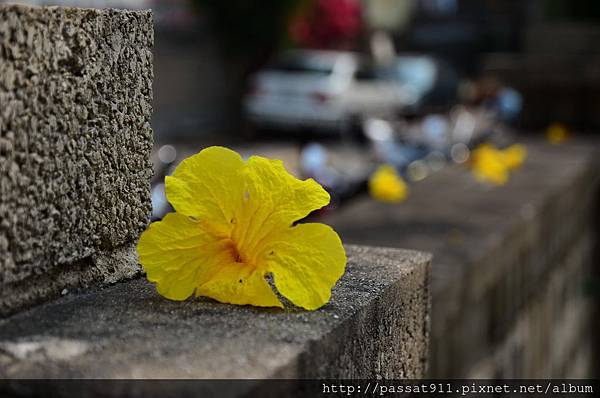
[303,64]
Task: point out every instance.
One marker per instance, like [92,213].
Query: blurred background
[338,88]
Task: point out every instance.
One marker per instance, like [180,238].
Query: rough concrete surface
[75,142]
[503,257]
[376,325]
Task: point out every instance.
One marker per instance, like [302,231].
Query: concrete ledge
[511,262]
[75,142]
[376,326]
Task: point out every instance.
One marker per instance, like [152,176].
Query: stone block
[75,142]
[375,326]
[505,258]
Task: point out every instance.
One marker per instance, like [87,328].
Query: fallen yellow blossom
[386,185]
[234,225]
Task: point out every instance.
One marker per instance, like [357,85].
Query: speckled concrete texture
[375,326]
[75,140]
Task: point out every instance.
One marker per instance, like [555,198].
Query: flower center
[235,253]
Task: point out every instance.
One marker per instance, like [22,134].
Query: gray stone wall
[375,326]
[512,274]
[75,142]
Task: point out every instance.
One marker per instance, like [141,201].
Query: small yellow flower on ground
[493,165]
[488,165]
[514,156]
[557,133]
[386,185]
[233,226]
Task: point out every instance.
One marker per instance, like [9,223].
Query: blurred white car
[330,91]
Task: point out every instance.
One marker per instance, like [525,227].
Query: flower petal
[273,201]
[179,255]
[514,156]
[208,185]
[239,283]
[306,263]
[285,197]
[488,165]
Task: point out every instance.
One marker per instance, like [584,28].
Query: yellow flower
[557,133]
[491,164]
[234,226]
[386,185]
[488,165]
[514,156]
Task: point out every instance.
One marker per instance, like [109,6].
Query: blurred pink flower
[328,24]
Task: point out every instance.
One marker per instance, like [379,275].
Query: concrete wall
[75,142]
[512,276]
[375,326]
[526,310]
